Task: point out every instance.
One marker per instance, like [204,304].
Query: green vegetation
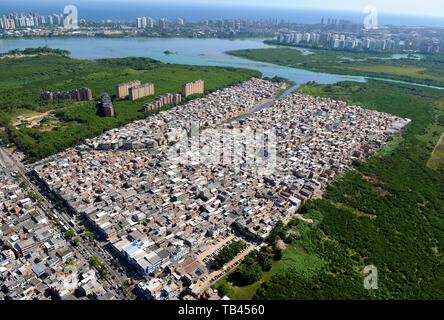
[250,270]
[428,70]
[247,273]
[90,235]
[387,212]
[39,50]
[100,266]
[70,263]
[247,234]
[277,79]
[34,195]
[69,234]
[228,253]
[23,185]
[75,242]
[239,291]
[22,80]
[125,285]
[437,159]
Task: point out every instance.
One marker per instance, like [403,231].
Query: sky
[403,7]
[413,7]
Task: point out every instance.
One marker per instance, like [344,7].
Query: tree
[34,195]
[271,239]
[264,262]
[79,292]
[23,185]
[223,290]
[100,266]
[277,253]
[53,293]
[293,222]
[69,234]
[328,88]
[229,253]
[247,273]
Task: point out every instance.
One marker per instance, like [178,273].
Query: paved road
[207,283]
[84,250]
[213,248]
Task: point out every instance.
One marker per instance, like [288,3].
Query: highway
[84,249]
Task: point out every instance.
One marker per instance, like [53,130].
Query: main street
[84,250]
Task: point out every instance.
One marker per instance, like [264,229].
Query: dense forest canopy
[69,122]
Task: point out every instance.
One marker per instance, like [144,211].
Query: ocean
[129,11]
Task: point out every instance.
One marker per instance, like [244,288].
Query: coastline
[349,73]
[123,36]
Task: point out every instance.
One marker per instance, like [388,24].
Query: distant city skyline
[195,11]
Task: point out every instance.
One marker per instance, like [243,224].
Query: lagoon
[185,51]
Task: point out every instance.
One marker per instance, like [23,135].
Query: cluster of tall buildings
[193,88]
[83,94]
[141,91]
[20,20]
[235,23]
[122,90]
[162,100]
[298,37]
[134,89]
[7,23]
[107,105]
[163,23]
[145,22]
[432,46]
[338,41]
[336,22]
[356,40]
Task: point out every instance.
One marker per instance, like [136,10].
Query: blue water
[188,51]
[202,52]
[128,11]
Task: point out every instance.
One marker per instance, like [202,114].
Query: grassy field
[437,159]
[387,212]
[429,70]
[22,80]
